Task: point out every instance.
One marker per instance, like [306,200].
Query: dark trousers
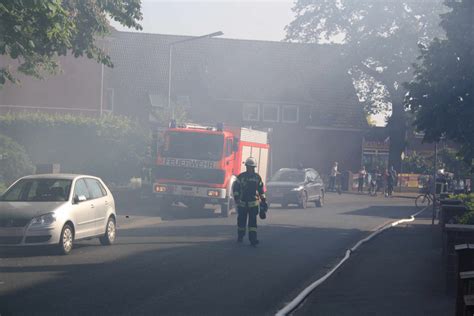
[244,214]
[332,183]
[390,188]
[361,185]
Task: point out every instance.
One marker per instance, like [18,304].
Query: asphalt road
[182,262]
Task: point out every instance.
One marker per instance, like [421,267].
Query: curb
[393,196]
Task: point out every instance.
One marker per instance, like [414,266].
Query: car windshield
[289,176]
[198,146]
[40,190]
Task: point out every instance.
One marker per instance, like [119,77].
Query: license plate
[187,192]
[11,231]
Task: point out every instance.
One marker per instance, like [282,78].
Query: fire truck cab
[197,165]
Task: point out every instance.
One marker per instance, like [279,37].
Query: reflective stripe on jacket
[248,188]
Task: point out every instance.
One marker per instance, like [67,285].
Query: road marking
[291,306]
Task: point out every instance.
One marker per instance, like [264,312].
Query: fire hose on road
[291,306]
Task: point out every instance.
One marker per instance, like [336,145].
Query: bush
[111,147]
[468,200]
[3,188]
[14,162]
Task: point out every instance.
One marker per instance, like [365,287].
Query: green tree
[34,33]
[416,163]
[14,162]
[380,40]
[442,92]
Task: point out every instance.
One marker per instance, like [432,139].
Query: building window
[251,112]
[271,113]
[109,100]
[290,114]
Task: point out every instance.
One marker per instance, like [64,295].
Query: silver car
[57,209]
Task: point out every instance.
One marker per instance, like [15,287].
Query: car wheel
[66,241]
[320,202]
[110,233]
[303,200]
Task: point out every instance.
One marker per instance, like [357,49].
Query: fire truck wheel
[225,209]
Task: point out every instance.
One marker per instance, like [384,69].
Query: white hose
[302,296]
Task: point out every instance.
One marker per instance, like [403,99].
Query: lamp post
[219,33]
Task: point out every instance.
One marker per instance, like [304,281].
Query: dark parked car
[296,186]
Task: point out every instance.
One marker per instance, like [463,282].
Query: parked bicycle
[424,200]
[373,187]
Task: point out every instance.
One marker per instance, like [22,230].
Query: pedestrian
[332,176]
[249,196]
[385,182]
[362,176]
[379,180]
[391,180]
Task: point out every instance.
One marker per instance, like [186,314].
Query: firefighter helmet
[251,162]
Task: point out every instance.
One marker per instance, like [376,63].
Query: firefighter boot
[240,234]
[253,236]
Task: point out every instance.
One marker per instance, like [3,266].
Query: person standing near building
[249,196]
[391,180]
[362,176]
[332,177]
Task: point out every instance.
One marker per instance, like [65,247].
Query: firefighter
[250,199]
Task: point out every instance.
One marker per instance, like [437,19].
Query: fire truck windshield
[200,146]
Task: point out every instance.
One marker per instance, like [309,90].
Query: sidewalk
[396,194]
[399,272]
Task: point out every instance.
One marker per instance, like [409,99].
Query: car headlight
[44,220]
[298,188]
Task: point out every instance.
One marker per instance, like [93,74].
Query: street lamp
[219,33]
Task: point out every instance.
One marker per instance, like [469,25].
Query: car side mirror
[79,199]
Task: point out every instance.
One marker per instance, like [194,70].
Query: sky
[242,19]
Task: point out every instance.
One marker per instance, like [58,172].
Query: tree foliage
[447,159]
[14,161]
[442,92]
[35,32]
[380,39]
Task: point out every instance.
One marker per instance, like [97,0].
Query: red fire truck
[197,165]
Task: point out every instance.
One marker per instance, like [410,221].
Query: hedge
[111,147]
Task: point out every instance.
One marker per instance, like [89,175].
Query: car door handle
[92,205]
[106,202]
